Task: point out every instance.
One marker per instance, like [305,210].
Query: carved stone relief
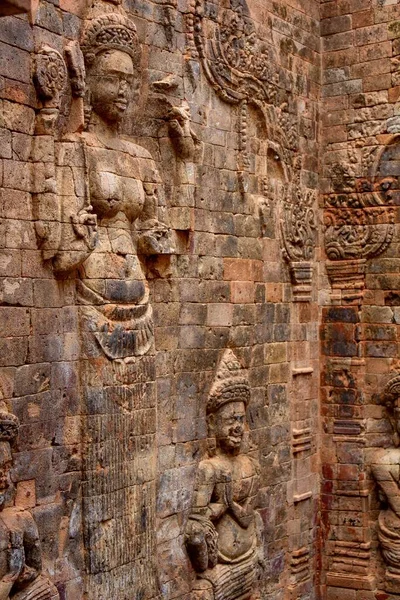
[243,70]
[21,575]
[221,534]
[359,214]
[385,468]
[98,215]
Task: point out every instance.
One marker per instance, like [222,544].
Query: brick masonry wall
[228,284]
[359,331]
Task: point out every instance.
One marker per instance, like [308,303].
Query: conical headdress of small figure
[230,383]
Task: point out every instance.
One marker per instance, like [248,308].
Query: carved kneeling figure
[20,551]
[221,536]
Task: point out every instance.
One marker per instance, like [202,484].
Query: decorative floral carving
[50,74]
[237,62]
[359,215]
[357,233]
[300,226]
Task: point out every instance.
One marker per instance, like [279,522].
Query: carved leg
[202,590]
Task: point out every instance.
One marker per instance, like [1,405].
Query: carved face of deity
[5,465]
[229,426]
[111,80]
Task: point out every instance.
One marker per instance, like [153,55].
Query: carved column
[359,225]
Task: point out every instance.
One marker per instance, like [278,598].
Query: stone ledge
[15,7]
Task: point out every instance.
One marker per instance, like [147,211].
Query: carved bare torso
[113,270]
[121,180]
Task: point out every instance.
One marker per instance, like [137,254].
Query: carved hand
[85,226]
[181,134]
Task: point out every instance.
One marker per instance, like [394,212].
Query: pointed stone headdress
[110,31]
[230,384]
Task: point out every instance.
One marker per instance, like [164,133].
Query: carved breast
[115,183]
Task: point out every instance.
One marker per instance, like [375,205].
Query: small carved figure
[20,552]
[221,535]
[386,470]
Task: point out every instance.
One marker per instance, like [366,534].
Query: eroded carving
[221,534]
[385,468]
[20,551]
[108,195]
[359,213]
[50,73]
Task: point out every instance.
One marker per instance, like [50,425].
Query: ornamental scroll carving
[359,213]
[243,70]
[222,534]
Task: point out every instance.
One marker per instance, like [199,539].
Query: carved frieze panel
[360,212]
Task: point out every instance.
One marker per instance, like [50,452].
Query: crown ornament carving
[111,31]
[230,383]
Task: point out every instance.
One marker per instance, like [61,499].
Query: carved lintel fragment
[347,278]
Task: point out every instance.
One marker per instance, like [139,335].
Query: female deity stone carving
[386,470]
[221,535]
[20,551]
[110,197]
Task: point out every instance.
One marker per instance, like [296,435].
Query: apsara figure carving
[109,190]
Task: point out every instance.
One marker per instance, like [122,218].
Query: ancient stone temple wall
[171,299]
[359,328]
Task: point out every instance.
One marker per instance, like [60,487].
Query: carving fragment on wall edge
[222,536]
[385,468]
[20,550]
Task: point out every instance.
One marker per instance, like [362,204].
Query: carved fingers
[85,227]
